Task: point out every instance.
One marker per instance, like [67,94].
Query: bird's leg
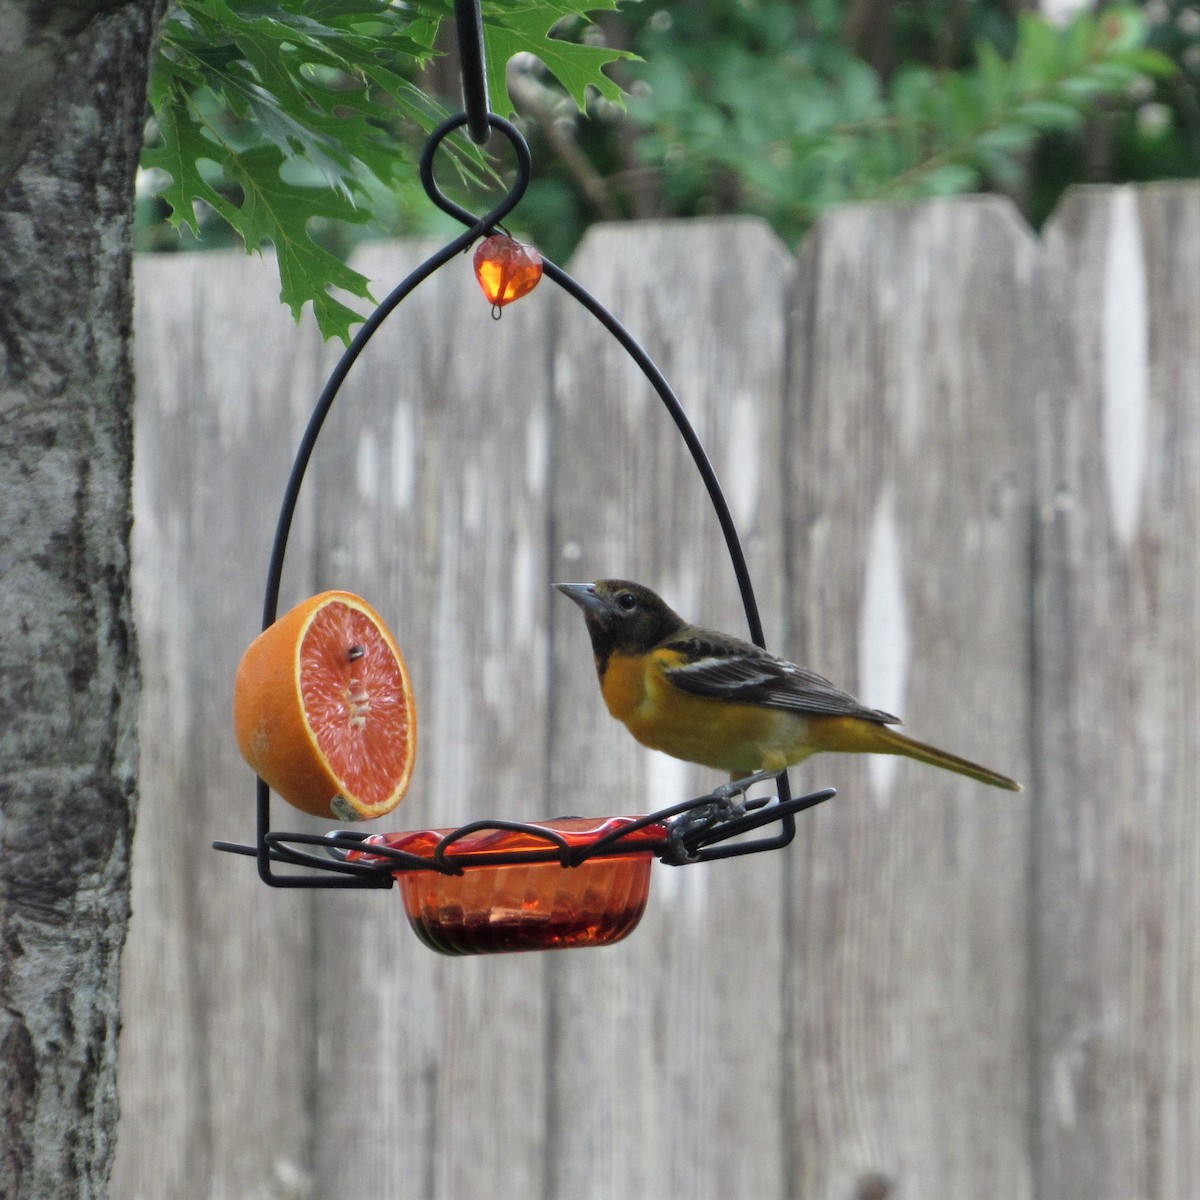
[722,804]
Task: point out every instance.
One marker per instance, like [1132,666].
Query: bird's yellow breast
[729,736]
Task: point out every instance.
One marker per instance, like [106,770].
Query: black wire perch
[699,829]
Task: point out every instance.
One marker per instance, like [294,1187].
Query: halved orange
[324,712]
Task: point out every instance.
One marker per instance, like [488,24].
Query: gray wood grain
[1118,836]
[913,375]
[667,1073]
[433,495]
[965,465]
[216,1034]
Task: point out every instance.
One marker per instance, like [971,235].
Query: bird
[716,700]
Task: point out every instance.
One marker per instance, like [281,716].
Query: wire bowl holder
[695,830]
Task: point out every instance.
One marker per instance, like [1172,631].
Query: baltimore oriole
[713,699]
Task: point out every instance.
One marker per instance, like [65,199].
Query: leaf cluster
[794,121]
[281,117]
[295,122]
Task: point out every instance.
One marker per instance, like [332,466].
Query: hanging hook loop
[488,222]
[473,68]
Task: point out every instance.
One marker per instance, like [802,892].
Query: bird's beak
[584,594]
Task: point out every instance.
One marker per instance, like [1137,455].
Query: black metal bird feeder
[578,881]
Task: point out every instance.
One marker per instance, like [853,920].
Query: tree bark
[72,105]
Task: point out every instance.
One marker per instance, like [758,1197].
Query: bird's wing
[729,669]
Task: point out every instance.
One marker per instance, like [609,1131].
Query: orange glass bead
[526,906]
[506,269]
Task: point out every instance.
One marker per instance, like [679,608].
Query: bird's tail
[860,736]
[893,742]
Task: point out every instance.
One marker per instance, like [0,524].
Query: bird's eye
[627,601]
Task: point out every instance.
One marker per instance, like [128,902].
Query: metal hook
[473,68]
[486,223]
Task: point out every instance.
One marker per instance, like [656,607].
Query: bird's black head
[622,617]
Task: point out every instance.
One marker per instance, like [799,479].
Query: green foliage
[789,120]
[294,122]
[287,115]
[1159,137]
[518,27]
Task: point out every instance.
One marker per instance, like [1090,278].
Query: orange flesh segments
[356,700]
[324,712]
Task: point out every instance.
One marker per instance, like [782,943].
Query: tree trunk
[72,105]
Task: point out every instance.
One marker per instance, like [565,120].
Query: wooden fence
[966,464]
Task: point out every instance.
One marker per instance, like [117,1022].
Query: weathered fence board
[216,1029]
[1118,835]
[911,466]
[433,496]
[965,464]
[667,1067]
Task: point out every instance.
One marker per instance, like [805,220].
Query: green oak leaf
[279,93]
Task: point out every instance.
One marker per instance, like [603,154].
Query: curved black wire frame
[334,868]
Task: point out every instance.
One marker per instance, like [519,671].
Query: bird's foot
[722,805]
[697,820]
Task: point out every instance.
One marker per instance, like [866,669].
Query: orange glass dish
[495,908]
